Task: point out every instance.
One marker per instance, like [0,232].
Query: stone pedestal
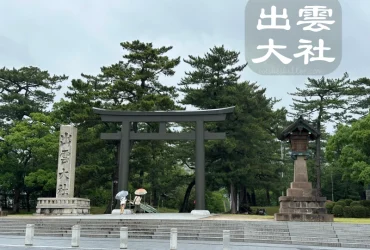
[65,203]
[62,206]
[118,211]
[200,212]
[301,203]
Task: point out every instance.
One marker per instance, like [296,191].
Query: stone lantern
[301,202]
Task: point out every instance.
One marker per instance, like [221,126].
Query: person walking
[123,204]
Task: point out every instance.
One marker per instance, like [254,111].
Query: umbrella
[140,191]
[121,194]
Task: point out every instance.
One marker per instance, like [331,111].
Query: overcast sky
[79,36]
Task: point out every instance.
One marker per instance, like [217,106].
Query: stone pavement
[44,243]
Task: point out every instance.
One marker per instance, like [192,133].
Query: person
[123,204]
[137,201]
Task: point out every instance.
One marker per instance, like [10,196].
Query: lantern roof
[300,125]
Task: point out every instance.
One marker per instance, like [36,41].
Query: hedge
[355,203]
[359,212]
[341,203]
[348,202]
[365,203]
[338,210]
[347,212]
[329,207]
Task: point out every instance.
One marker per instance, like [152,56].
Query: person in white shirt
[137,201]
[123,204]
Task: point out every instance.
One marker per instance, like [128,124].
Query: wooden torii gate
[125,135]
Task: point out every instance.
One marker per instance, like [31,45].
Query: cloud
[71,37]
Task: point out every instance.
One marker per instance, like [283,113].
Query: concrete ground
[44,243]
[146,216]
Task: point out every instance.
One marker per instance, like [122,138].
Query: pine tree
[322,101]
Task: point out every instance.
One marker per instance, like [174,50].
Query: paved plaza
[17,243]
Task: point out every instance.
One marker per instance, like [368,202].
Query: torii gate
[125,135]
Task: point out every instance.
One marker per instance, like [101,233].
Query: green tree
[349,151]
[359,96]
[30,146]
[131,84]
[24,91]
[214,83]
[322,100]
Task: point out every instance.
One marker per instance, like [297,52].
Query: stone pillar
[226,240]
[64,203]
[367,194]
[173,239]
[76,232]
[123,238]
[66,162]
[30,232]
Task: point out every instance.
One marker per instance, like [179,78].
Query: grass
[97,210]
[167,210]
[243,217]
[353,220]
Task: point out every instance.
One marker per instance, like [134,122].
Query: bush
[338,210]
[329,207]
[359,212]
[365,203]
[355,203]
[367,212]
[347,212]
[341,203]
[348,202]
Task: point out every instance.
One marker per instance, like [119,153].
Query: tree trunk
[28,202]
[185,203]
[243,200]
[268,197]
[16,201]
[109,207]
[233,198]
[318,167]
[249,199]
[318,152]
[254,203]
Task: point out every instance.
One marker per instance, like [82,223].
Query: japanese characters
[291,34]
[66,164]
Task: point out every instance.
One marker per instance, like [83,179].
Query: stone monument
[301,202]
[65,203]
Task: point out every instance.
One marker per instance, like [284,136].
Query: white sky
[79,36]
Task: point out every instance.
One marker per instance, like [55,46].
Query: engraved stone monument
[65,203]
[301,202]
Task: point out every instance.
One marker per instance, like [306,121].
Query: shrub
[367,212]
[355,203]
[341,203]
[329,207]
[347,212]
[338,211]
[348,202]
[365,203]
[359,212]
